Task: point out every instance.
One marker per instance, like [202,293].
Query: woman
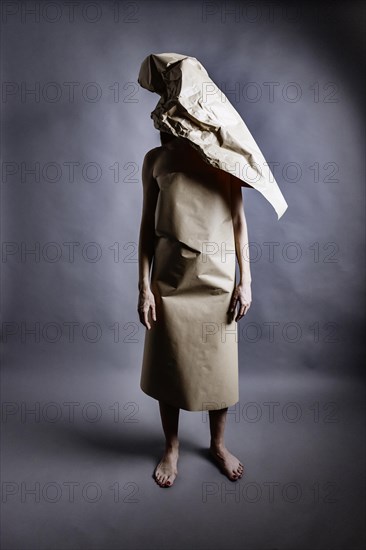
[192,228]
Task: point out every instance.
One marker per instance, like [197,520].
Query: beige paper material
[190,357]
[192,106]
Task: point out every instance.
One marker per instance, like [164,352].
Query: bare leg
[228,463]
[166,471]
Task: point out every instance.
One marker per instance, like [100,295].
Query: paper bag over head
[193,107]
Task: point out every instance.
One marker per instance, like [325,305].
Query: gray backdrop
[80,439]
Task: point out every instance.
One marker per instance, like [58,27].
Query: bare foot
[228,463]
[166,471]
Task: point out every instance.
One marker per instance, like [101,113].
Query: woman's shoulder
[155,158]
[152,155]
[154,151]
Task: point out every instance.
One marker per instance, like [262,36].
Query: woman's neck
[176,142]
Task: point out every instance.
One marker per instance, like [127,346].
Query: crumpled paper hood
[193,107]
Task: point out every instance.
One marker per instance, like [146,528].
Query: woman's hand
[242,295]
[145,302]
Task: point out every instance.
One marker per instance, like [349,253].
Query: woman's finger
[233,302]
[141,315]
[146,319]
[153,311]
[241,312]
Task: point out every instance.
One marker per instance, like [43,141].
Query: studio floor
[79,447]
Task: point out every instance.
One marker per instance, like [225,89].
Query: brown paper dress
[190,357]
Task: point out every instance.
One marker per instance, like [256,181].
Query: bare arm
[146,240]
[240,233]
[242,293]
